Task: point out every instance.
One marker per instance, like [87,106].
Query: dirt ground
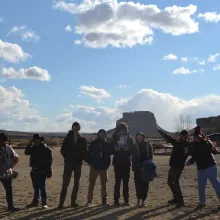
[158,196]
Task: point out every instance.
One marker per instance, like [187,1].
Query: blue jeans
[7,183]
[39,185]
[210,174]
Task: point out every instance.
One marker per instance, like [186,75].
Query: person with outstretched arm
[202,153]
[180,152]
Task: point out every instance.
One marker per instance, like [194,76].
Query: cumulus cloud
[170,57]
[68,28]
[96,93]
[78,42]
[216,67]
[12,53]
[125,24]
[184,59]
[184,71]
[17,113]
[34,72]
[212,58]
[211,17]
[202,62]
[25,33]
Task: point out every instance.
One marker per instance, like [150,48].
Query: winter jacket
[202,154]
[122,156]
[41,156]
[74,153]
[99,154]
[179,153]
[148,172]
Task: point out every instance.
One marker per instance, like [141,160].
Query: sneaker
[89,204]
[143,204]
[74,205]
[117,203]
[60,206]
[138,203]
[33,204]
[13,209]
[44,207]
[173,201]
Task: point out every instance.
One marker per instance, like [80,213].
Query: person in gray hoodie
[141,152]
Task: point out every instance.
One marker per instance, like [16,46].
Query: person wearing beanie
[179,155]
[8,160]
[202,153]
[99,159]
[74,152]
[41,158]
[141,152]
[122,144]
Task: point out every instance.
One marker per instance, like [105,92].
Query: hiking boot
[13,209]
[60,206]
[116,203]
[173,201]
[180,204]
[104,202]
[89,204]
[143,204]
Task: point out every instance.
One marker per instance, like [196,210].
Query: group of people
[126,153]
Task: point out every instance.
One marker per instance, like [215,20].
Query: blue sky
[60,62]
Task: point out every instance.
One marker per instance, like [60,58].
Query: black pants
[68,170]
[7,183]
[174,175]
[121,174]
[38,178]
[140,186]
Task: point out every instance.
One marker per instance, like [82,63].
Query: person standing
[74,151]
[8,160]
[202,153]
[141,152]
[41,158]
[99,159]
[180,152]
[122,144]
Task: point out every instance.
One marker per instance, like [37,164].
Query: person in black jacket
[40,161]
[122,144]
[74,152]
[99,159]
[180,152]
[202,153]
[141,152]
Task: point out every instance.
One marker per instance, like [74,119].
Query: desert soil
[157,207]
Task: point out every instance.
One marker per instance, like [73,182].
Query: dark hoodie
[74,153]
[99,153]
[122,157]
[141,152]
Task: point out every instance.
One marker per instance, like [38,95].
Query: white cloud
[92,119]
[17,113]
[26,34]
[68,28]
[122,86]
[30,36]
[184,59]
[34,72]
[211,17]
[202,63]
[125,24]
[216,67]
[212,58]
[78,42]
[12,53]
[170,57]
[184,71]
[96,93]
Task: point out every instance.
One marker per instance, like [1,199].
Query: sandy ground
[157,208]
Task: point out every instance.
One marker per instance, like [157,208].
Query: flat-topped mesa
[210,124]
[143,121]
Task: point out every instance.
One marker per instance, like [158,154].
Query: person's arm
[192,160]
[15,158]
[84,150]
[167,137]
[29,149]
[50,156]
[64,146]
